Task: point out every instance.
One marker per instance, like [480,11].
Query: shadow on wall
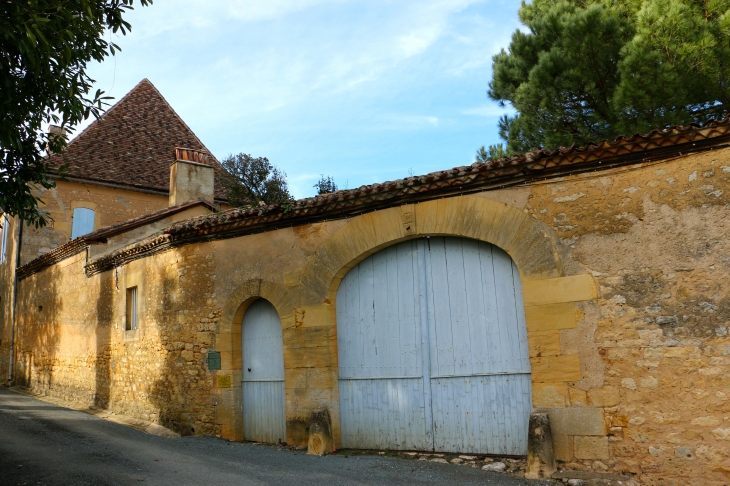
[38,332]
[182,393]
[103,328]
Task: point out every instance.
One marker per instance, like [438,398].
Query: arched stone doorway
[433,352]
[264,417]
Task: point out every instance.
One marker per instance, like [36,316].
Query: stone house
[116,172]
[430,313]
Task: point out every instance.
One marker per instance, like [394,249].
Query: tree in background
[325,185]
[45,46]
[251,181]
[493,152]
[588,70]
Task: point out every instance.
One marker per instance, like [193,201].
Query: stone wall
[112,206]
[6,298]
[654,346]
[72,343]
[626,311]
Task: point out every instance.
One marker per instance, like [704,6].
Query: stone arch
[530,243]
[549,295]
[228,342]
[308,310]
[283,298]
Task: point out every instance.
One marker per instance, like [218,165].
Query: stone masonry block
[550,317]
[576,420]
[236,342]
[205,338]
[321,379]
[575,288]
[591,447]
[550,395]
[293,338]
[578,398]
[292,277]
[295,378]
[319,357]
[319,336]
[562,447]
[228,414]
[604,397]
[534,251]
[556,368]
[315,316]
[544,343]
[288,322]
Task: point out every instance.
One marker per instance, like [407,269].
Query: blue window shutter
[4,243]
[83,222]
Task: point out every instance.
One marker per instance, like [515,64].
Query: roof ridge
[595,145]
[133,143]
[106,112]
[176,115]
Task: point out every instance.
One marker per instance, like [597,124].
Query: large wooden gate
[264,418]
[433,351]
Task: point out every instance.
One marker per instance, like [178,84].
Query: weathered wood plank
[423,327]
[264,418]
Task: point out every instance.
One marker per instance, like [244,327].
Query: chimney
[56,131]
[191,176]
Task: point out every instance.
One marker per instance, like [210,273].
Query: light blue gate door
[433,350]
[264,418]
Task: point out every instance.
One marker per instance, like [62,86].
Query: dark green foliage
[45,46]
[253,181]
[592,70]
[493,152]
[325,185]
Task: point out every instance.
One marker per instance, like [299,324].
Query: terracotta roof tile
[101,235]
[133,144]
[509,171]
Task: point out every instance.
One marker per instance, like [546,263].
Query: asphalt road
[42,444]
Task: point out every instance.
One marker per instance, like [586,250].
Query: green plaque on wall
[214,360]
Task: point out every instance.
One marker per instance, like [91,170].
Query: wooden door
[433,350]
[379,337]
[264,418]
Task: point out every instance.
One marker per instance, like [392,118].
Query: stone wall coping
[505,172]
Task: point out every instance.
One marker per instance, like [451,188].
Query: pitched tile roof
[133,144]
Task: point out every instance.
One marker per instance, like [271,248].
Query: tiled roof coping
[77,245]
[102,234]
[505,172]
[477,177]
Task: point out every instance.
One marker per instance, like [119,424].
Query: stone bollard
[540,456]
[320,433]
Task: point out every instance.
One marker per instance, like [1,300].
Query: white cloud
[318,85]
[414,121]
[258,10]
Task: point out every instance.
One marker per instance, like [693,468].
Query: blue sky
[363,91]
